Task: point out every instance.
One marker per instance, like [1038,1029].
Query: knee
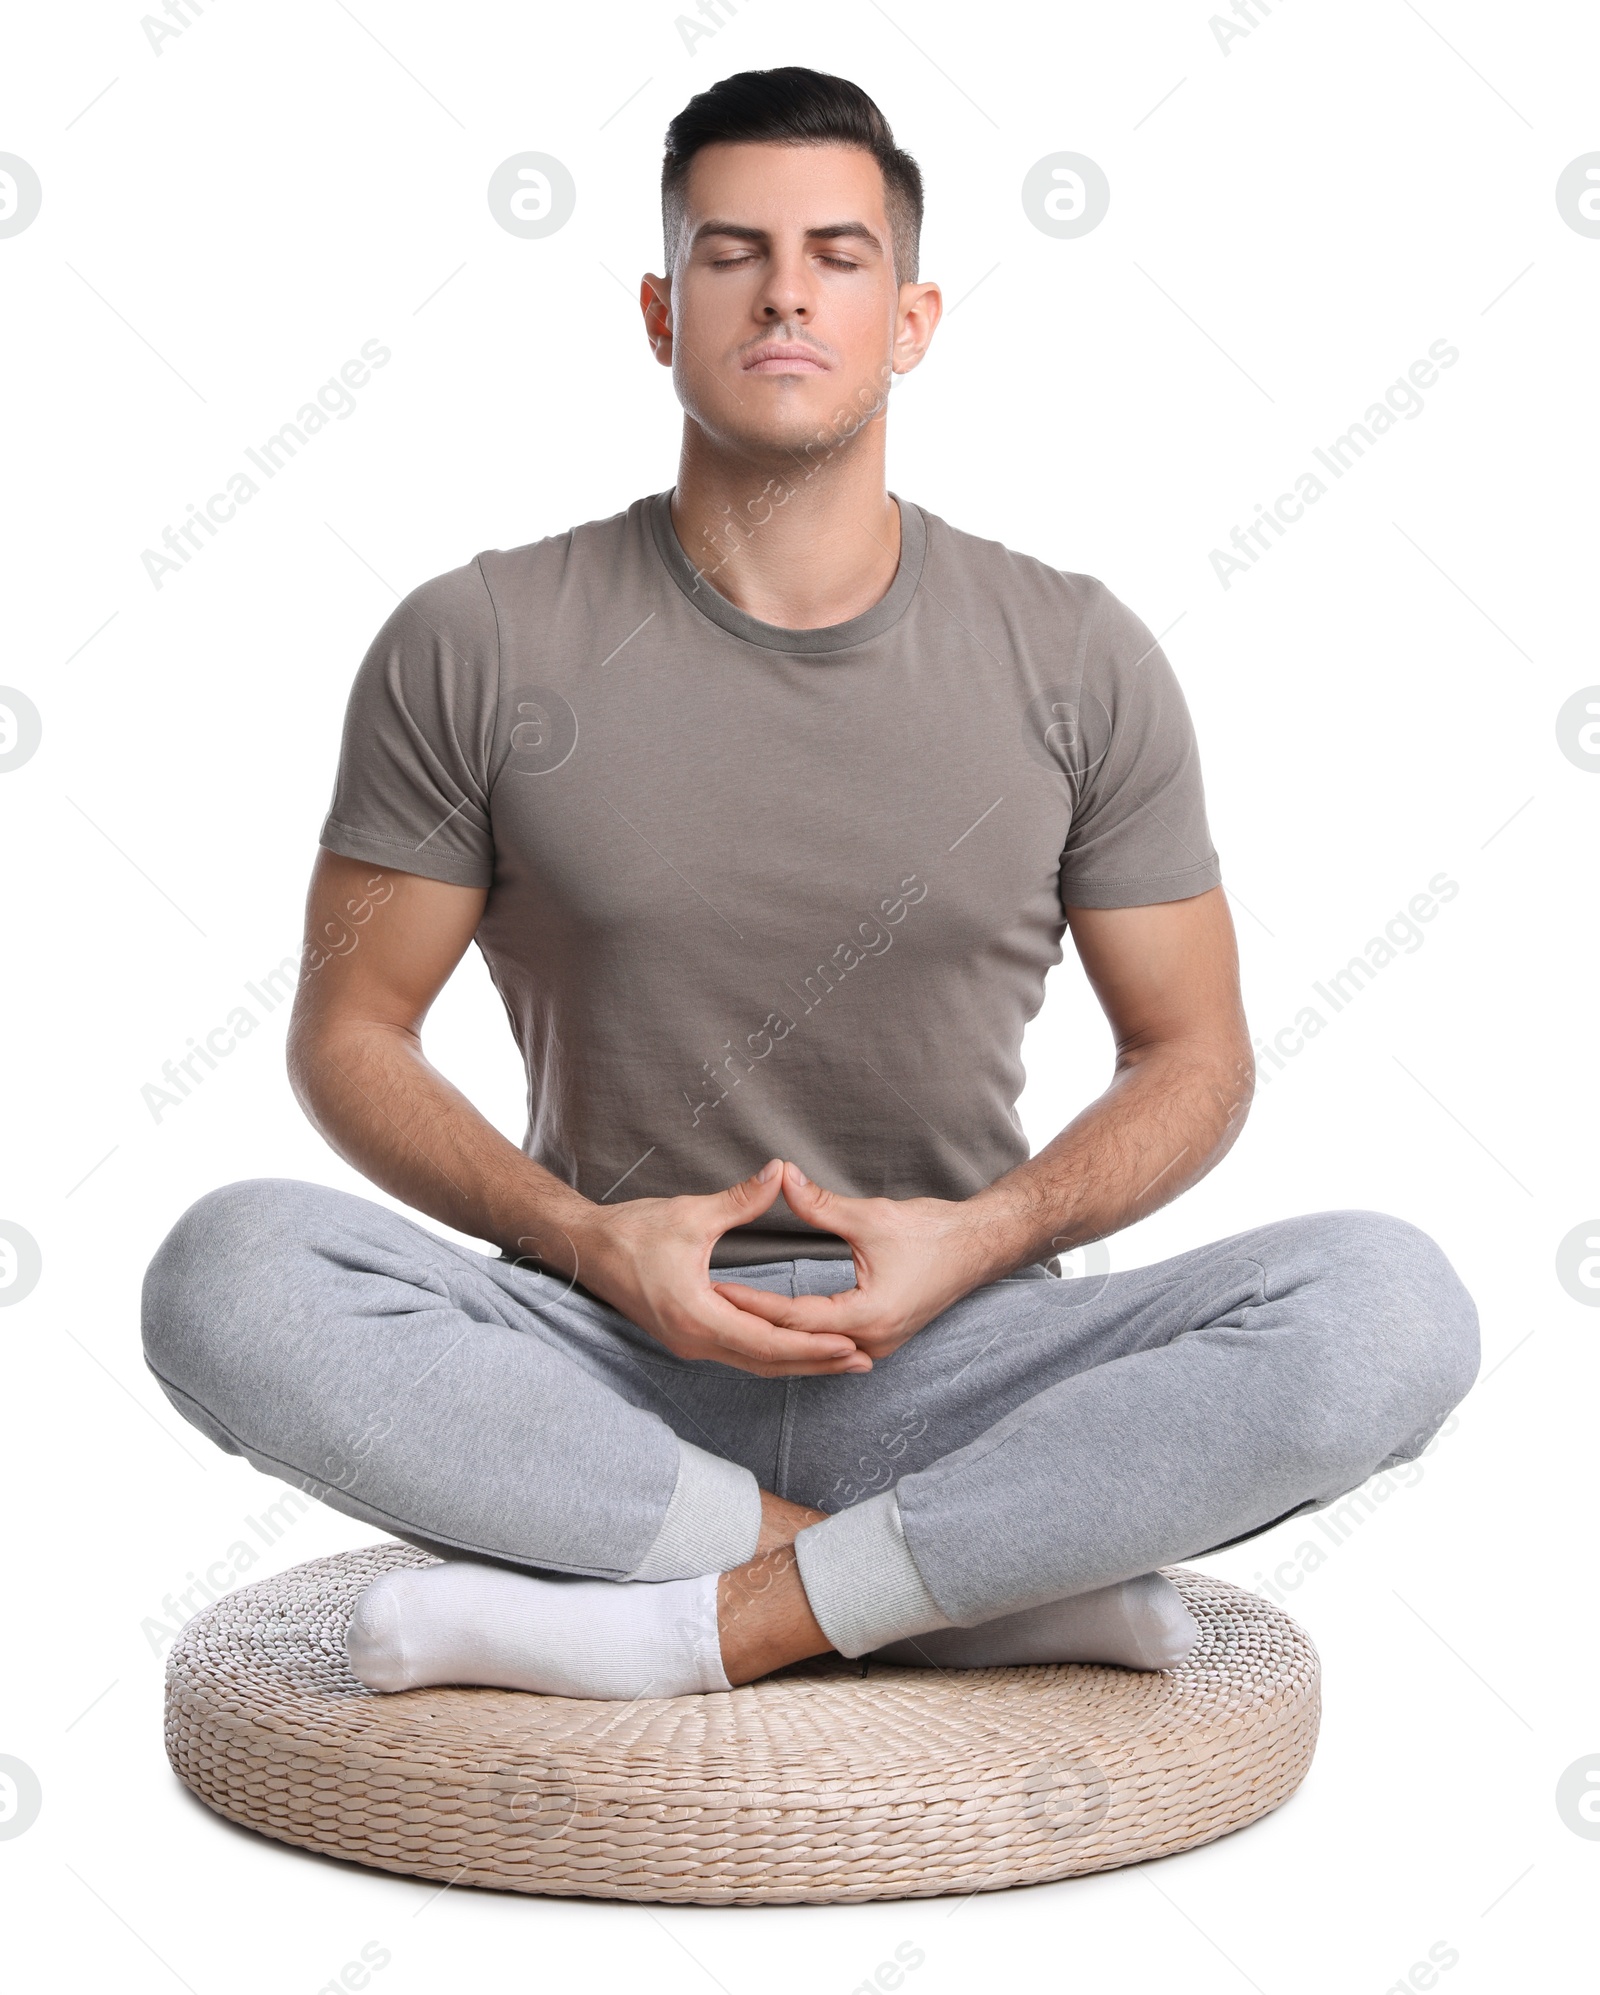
[1424,1313]
[1400,1331]
[224,1254]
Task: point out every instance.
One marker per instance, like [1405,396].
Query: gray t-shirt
[758,892]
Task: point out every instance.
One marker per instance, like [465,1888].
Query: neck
[797,541]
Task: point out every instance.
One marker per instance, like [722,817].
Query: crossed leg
[1041,1443]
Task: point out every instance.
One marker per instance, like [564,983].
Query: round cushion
[828,1782]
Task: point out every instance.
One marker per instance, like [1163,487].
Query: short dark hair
[794,107]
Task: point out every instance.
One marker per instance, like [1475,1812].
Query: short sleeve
[1139,831]
[412,790]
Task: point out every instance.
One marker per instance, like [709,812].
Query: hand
[650,1258]
[913,1258]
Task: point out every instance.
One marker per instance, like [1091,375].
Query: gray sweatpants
[1042,1437]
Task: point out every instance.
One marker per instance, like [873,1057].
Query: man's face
[785,317]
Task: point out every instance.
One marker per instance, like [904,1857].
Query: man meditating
[768,802]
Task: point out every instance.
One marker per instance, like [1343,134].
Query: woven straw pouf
[830,1782]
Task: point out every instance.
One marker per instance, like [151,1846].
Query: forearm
[375,1098]
[1166,975]
[1169,1115]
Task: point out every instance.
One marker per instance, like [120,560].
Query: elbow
[302,1060]
[333,1052]
[316,1050]
[1236,1089]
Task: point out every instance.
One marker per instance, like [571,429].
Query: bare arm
[380,946]
[1167,977]
[357,1066]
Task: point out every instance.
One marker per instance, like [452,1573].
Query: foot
[1141,1624]
[466,1622]
[463,1622]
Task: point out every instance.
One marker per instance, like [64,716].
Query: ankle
[764,1619]
[783,1521]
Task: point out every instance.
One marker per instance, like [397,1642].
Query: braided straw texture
[824,1784]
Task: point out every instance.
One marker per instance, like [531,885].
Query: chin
[788,430]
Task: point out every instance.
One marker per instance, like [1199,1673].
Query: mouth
[776,358]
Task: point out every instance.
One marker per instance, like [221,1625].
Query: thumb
[804,1197]
[753,1195]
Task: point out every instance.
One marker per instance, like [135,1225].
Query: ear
[655,302]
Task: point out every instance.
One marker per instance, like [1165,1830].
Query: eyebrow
[823,232]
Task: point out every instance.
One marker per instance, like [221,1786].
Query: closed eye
[731,262]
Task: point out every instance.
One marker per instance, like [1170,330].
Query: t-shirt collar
[774,637]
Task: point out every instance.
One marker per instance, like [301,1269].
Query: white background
[1292,223]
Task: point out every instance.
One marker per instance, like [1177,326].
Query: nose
[787,291]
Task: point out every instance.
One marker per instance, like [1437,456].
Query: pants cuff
[712,1522]
[861,1580]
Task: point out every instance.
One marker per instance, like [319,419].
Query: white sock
[1141,1623]
[464,1622]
